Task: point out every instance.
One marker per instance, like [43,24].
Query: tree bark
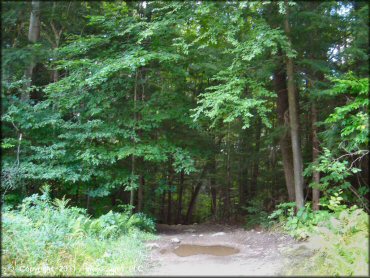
[213,189]
[169,200]
[169,207]
[179,202]
[294,122]
[226,207]
[162,211]
[33,37]
[194,198]
[214,202]
[255,170]
[140,194]
[132,191]
[192,202]
[285,141]
[34,29]
[315,155]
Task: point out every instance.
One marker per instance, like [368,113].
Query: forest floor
[260,252]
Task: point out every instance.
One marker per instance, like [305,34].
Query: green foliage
[44,237]
[344,141]
[351,119]
[338,235]
[257,215]
[301,224]
[335,172]
[145,95]
[334,203]
[343,241]
[305,222]
[142,222]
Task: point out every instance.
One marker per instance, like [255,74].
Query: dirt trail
[260,253]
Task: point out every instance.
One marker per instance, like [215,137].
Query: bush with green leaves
[344,141]
[44,237]
[343,241]
[339,232]
[300,224]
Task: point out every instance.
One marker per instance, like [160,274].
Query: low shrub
[42,237]
[343,250]
[299,225]
[340,235]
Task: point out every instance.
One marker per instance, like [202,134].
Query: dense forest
[179,113]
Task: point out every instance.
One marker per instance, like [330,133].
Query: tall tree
[283,120]
[294,120]
[315,156]
[33,37]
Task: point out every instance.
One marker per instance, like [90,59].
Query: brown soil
[260,252]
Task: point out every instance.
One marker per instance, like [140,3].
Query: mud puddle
[185,250]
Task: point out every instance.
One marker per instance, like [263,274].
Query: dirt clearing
[214,250]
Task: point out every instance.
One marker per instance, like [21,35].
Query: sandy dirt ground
[260,253]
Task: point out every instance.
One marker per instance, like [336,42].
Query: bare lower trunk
[212,182]
[294,122]
[193,198]
[169,200]
[132,191]
[88,203]
[179,202]
[77,195]
[162,211]
[140,194]
[214,202]
[55,75]
[255,170]
[169,207]
[315,155]
[285,141]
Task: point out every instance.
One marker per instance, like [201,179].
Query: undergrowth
[45,237]
[340,234]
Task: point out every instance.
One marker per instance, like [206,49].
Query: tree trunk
[33,37]
[213,190]
[192,202]
[34,29]
[132,191]
[294,122]
[139,132]
[315,155]
[162,211]
[88,203]
[169,207]
[285,141]
[193,198]
[214,202]
[113,199]
[179,202]
[242,186]
[255,171]
[169,200]
[140,194]
[77,195]
[228,182]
